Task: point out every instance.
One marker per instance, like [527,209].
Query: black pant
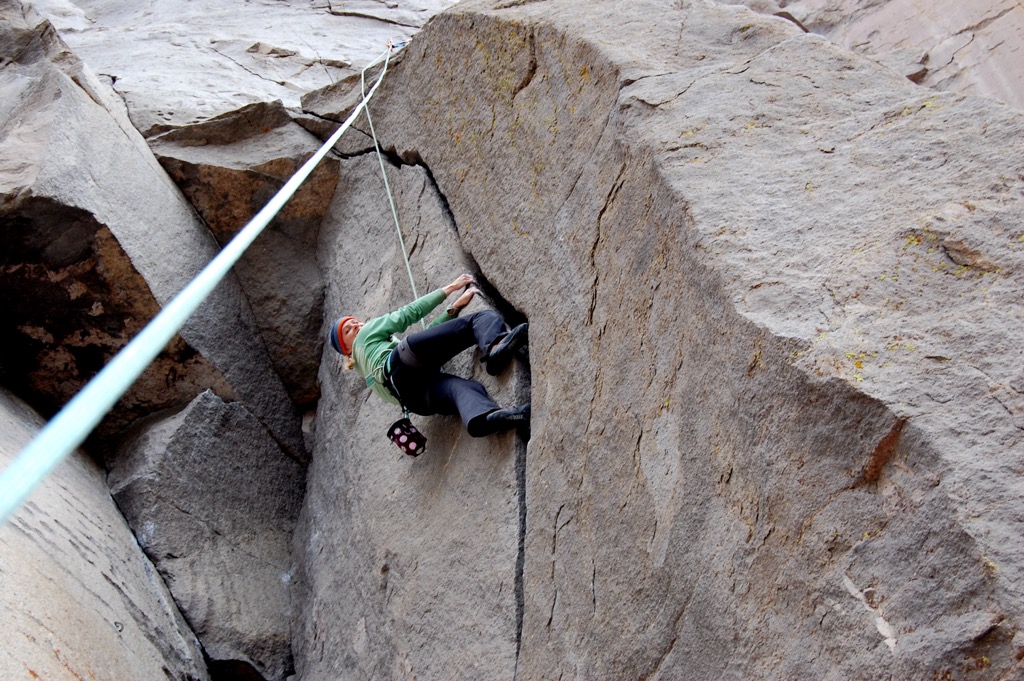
[425,389]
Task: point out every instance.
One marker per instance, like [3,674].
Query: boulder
[970,47]
[213,501]
[407,567]
[97,238]
[773,290]
[79,598]
[229,168]
[184,61]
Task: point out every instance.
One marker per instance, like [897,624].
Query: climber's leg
[500,354]
[449,394]
[433,347]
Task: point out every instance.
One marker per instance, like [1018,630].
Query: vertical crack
[414,159]
[523,382]
[593,584]
[521,549]
[613,192]
[531,69]
[522,389]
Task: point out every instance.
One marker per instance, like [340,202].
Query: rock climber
[408,372]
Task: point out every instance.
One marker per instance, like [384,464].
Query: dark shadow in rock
[233,670]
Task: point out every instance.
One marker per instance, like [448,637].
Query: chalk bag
[407,438]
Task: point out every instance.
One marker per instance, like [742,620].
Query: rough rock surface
[96,238]
[213,501]
[184,61]
[774,295]
[79,599]
[407,566]
[971,47]
[229,168]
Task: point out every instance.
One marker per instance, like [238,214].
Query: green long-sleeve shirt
[375,340]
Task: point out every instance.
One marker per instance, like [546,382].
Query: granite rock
[969,47]
[773,290]
[406,566]
[79,598]
[182,62]
[97,239]
[229,168]
[213,501]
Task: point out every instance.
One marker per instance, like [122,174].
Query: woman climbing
[408,372]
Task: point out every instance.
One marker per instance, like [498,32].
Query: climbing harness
[402,432]
[405,435]
[72,424]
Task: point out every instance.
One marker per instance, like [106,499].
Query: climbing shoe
[499,357]
[512,417]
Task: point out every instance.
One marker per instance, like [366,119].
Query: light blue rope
[391,200]
[72,424]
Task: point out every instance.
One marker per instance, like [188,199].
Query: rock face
[229,168]
[970,47]
[96,239]
[177,63]
[773,291]
[407,566]
[213,501]
[775,363]
[79,598]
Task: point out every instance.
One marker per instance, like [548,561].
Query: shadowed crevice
[522,388]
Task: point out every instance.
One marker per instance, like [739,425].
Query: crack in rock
[512,317]
[247,69]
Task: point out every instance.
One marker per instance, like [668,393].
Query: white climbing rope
[391,200]
[72,424]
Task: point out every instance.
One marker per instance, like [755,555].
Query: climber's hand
[462,282]
[465,298]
